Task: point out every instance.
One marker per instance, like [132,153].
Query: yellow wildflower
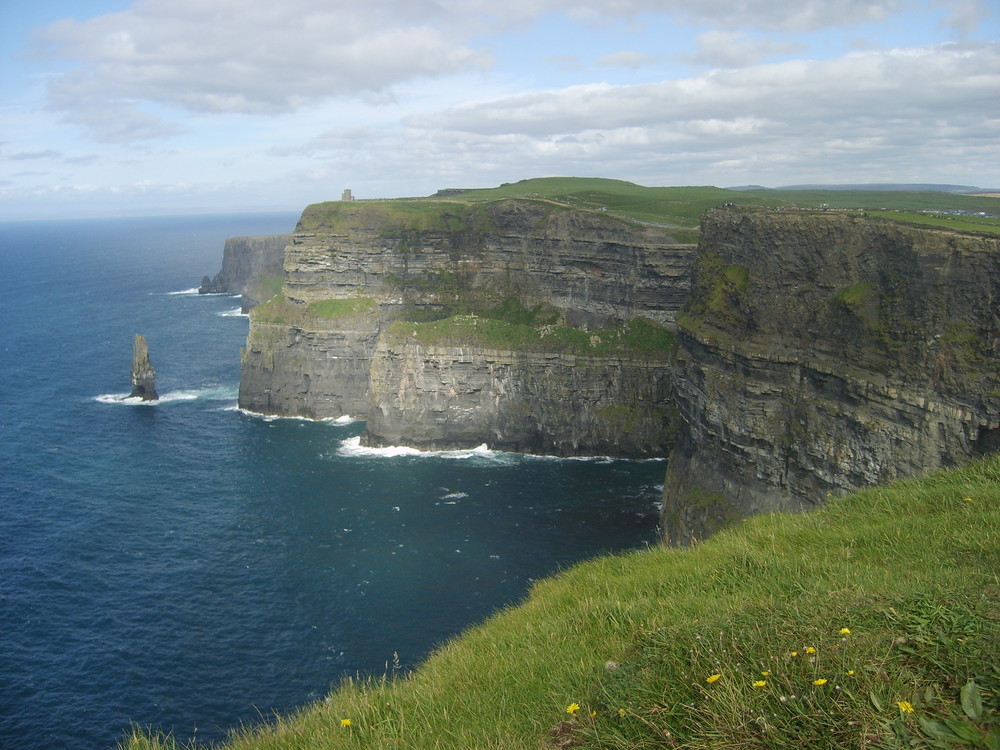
[850,672]
[766,674]
[905,707]
[572,708]
[820,681]
[593,714]
[621,712]
[760,683]
[810,650]
[712,678]
[845,631]
[345,722]
[968,499]
[795,653]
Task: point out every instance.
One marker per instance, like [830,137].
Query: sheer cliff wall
[536,402]
[822,352]
[569,301]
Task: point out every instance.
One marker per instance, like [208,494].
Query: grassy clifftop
[871,622]
[677,207]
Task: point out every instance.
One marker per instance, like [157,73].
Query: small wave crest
[192,290]
[236,312]
[452,498]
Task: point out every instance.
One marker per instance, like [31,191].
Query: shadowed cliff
[821,352]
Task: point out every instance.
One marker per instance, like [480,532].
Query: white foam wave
[452,498]
[218,393]
[344,420]
[236,312]
[352,447]
[192,290]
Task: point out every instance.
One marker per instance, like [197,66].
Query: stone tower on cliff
[143,374]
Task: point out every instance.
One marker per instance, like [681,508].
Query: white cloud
[927,83]
[964,16]
[886,115]
[266,57]
[757,14]
[43,154]
[289,102]
[733,49]
[245,57]
[625,59]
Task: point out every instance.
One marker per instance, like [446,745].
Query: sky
[119,107]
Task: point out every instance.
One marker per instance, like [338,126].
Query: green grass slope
[873,622]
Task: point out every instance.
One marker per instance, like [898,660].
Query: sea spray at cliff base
[187,566]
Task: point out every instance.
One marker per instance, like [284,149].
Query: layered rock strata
[354,269]
[536,402]
[252,267]
[822,352]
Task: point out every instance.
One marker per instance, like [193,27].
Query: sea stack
[143,374]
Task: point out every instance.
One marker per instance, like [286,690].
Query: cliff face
[330,344]
[594,268]
[444,397]
[247,265]
[820,353]
[317,370]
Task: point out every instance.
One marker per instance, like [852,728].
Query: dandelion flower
[820,681]
[713,678]
[766,674]
[621,712]
[850,672]
[760,683]
[795,653]
[572,708]
[845,631]
[810,650]
[345,722]
[905,707]
[968,499]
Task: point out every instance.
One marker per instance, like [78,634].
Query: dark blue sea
[189,567]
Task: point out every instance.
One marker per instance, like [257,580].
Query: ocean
[188,567]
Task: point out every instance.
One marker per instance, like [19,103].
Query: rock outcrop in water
[522,324]
[251,267]
[822,352]
[143,374]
